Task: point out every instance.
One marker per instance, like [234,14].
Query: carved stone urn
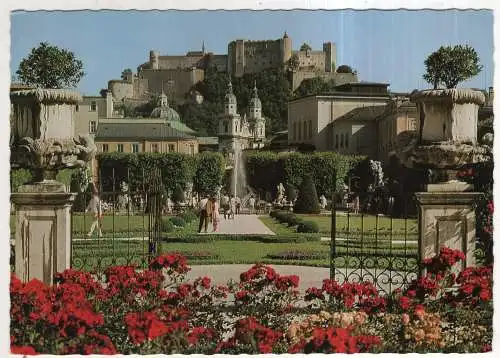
[42,133]
[445,142]
[446,139]
[42,140]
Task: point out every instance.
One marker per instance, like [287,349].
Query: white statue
[281,193]
[323,202]
[124,197]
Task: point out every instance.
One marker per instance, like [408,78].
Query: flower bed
[153,311]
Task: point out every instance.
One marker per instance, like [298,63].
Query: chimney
[109,104]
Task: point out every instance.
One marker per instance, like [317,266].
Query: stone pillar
[447,219]
[43,231]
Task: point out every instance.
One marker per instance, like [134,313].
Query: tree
[307,201]
[48,66]
[451,65]
[344,69]
[293,63]
[305,47]
[126,73]
[103,92]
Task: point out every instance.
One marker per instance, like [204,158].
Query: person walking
[251,204]
[225,206]
[202,206]
[215,214]
[95,207]
[232,205]
[238,205]
[356,204]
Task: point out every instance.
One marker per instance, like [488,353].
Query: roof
[139,131]
[338,94]
[363,113]
[208,140]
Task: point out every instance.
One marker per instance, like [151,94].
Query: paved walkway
[241,225]
[309,276]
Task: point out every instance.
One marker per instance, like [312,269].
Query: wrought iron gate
[376,244]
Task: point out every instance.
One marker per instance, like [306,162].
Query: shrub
[167,225]
[273,214]
[307,226]
[177,221]
[293,220]
[307,202]
[189,216]
[290,192]
[178,195]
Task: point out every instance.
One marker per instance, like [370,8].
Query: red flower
[314,293]
[23,350]
[404,302]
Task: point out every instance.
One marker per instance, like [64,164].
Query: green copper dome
[163,111]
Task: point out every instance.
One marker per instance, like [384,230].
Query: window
[135,148]
[191,149]
[92,126]
[310,129]
[236,128]
[93,106]
[300,131]
[341,140]
[119,148]
[105,148]
[347,140]
[336,141]
[171,148]
[154,148]
[226,127]
[294,134]
[304,129]
[77,108]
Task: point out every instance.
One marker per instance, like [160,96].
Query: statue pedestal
[43,231]
[447,218]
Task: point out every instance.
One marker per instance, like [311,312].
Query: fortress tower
[286,48]
[154,59]
[330,56]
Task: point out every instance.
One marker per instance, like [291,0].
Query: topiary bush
[307,201]
[177,221]
[167,225]
[293,220]
[307,226]
[290,192]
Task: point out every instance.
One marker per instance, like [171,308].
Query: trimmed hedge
[308,227]
[265,170]
[167,225]
[205,170]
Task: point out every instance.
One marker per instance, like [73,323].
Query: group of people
[231,206]
[209,212]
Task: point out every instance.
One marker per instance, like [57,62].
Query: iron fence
[129,229]
[375,239]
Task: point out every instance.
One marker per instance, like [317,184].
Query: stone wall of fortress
[340,78]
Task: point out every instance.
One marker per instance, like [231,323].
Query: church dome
[255,101]
[230,97]
[163,111]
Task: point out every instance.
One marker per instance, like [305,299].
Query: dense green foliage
[290,168]
[210,169]
[205,170]
[307,201]
[274,94]
[450,65]
[48,66]
[314,86]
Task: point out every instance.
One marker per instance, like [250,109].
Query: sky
[383,46]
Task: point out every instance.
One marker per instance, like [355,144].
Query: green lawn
[88,255]
[365,223]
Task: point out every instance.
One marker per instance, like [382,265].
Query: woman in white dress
[95,207]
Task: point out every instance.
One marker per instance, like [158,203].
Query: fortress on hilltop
[176,75]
